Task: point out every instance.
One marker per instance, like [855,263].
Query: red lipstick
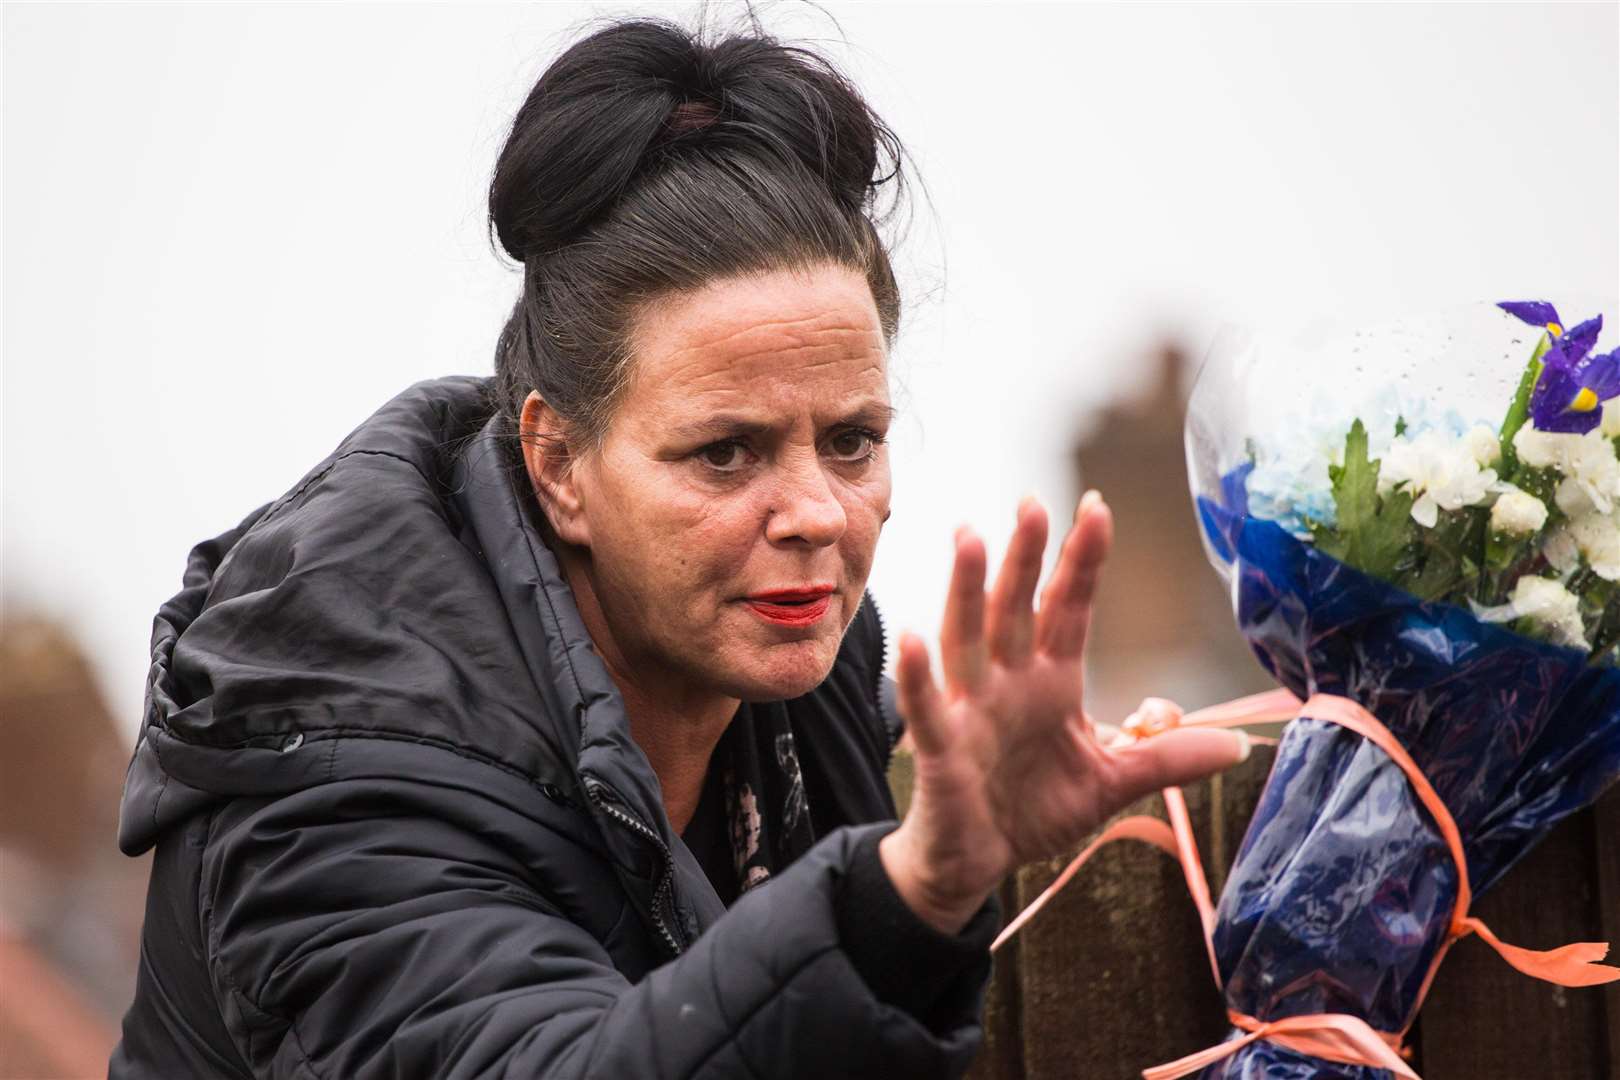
[792,607]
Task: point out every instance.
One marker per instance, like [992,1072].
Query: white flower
[1572,498]
[1561,551]
[1598,538]
[1540,449]
[1544,601]
[1484,444]
[1441,472]
[1591,470]
[1610,427]
[1592,464]
[1548,604]
[1518,513]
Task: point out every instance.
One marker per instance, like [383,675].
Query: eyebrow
[867,414]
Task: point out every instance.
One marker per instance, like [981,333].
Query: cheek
[865,508]
[698,540]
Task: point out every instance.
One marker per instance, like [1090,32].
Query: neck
[674,723]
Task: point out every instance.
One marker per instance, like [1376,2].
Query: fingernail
[1244,745]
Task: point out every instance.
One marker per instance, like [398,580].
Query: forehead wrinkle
[788,367]
[733,352]
[742,350]
[774,374]
[802,327]
[716,391]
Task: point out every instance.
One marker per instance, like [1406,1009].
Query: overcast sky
[232,231]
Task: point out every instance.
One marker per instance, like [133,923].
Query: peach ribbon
[1330,1036]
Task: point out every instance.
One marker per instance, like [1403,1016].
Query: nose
[805,508]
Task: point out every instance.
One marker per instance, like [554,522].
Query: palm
[1008,766]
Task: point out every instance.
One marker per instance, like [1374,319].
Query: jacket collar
[590,728]
[611,774]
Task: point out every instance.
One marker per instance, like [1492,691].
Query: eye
[854,444]
[728,455]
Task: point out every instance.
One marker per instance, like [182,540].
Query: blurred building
[70,902]
[1163,624]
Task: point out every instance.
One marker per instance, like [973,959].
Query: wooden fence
[1112,976]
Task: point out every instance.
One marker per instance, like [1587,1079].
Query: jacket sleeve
[397,928]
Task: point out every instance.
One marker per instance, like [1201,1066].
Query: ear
[552,469]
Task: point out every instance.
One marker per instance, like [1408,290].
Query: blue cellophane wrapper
[1343,888]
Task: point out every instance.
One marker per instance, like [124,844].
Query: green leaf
[1374,534]
[1503,550]
[1386,547]
[1600,606]
[1447,556]
[1542,483]
[1519,411]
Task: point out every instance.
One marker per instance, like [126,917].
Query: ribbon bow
[1336,1037]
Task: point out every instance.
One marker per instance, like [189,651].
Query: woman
[540,730]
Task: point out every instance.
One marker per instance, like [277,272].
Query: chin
[783,671]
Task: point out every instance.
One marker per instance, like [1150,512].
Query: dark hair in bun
[646,161]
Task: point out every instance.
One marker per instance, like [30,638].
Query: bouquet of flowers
[1445,579]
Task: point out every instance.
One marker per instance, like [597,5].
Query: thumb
[1176,757]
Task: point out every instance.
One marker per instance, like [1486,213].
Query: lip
[800,593]
[801,606]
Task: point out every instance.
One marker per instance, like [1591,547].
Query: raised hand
[1008,767]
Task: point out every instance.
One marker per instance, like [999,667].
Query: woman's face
[734,505]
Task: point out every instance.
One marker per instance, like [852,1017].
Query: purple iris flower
[1574,384]
[1537,313]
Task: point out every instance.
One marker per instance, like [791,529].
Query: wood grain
[1113,973]
[1483,1019]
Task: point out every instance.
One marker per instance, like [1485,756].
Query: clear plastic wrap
[1343,890]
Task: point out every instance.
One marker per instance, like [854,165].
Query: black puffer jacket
[402,830]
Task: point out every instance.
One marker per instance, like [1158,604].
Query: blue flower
[1574,383]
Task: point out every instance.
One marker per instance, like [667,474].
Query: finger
[961,637]
[920,700]
[1010,617]
[1170,760]
[1065,608]
[1065,616]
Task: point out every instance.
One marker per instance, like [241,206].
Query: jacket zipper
[883,642]
[662,896]
[877,677]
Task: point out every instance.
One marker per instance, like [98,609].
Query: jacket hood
[399,597]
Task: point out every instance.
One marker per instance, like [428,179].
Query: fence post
[1484,1019]
[1112,976]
